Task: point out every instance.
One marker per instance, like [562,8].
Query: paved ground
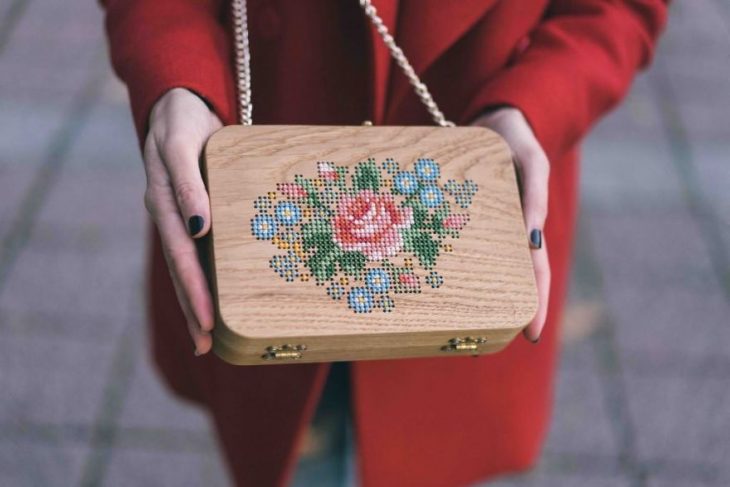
[643,393]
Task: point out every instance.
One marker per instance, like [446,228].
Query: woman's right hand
[180,124]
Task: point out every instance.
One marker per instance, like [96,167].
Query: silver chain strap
[400,58]
[243,63]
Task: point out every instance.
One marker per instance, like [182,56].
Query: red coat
[425,422]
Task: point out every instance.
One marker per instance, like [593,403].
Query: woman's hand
[533,169]
[180,124]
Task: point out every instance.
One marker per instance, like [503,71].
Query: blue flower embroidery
[390,166]
[335,291]
[286,266]
[287,213]
[431,196]
[377,281]
[386,303]
[434,279]
[360,300]
[262,203]
[427,170]
[405,182]
[263,227]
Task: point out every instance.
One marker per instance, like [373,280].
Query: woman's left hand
[533,169]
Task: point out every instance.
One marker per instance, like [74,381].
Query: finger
[534,171]
[202,339]
[180,156]
[185,269]
[541,264]
[185,266]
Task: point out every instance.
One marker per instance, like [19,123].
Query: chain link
[400,58]
[243,63]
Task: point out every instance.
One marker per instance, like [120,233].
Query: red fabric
[426,422]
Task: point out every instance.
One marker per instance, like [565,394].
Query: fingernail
[524,333]
[197,353]
[195,224]
[536,239]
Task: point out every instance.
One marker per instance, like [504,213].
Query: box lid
[324,231]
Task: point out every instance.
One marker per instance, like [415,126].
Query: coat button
[268,22]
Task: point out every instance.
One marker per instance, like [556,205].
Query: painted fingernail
[535,239]
[195,224]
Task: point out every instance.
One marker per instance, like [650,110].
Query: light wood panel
[488,289]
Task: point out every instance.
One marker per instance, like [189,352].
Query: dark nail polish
[195,224]
[536,239]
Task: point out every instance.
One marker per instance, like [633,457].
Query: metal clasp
[464,344]
[284,352]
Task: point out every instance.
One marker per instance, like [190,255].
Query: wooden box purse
[337,243]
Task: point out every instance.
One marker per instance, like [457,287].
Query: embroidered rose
[371,223]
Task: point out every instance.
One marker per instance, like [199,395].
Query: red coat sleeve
[579,63]
[162,44]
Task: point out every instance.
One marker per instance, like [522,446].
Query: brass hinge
[464,344]
[284,352]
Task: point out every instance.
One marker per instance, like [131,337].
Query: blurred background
[643,397]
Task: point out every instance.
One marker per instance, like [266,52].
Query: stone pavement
[643,392]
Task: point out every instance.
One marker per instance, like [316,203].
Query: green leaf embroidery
[322,264]
[313,198]
[367,176]
[317,233]
[341,174]
[420,213]
[422,245]
[437,221]
[352,263]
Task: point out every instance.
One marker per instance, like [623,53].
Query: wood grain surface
[489,288]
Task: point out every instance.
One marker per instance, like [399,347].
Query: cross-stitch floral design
[365,236]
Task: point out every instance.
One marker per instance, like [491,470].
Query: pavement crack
[683,163]
[48,173]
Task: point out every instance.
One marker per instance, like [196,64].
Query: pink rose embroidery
[455,222]
[291,190]
[371,223]
[408,280]
[326,171]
